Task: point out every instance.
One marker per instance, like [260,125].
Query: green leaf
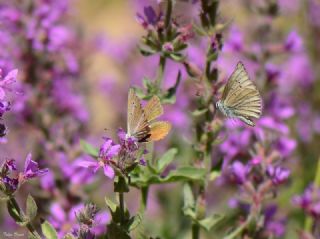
[31,209]
[147,83]
[139,92]
[188,196]
[14,211]
[170,95]
[209,222]
[24,222]
[146,51]
[170,99]
[89,149]
[166,159]
[186,173]
[177,57]
[69,236]
[48,231]
[188,201]
[212,56]
[199,30]
[181,174]
[135,222]
[111,205]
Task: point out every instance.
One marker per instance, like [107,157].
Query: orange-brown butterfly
[141,122]
[241,98]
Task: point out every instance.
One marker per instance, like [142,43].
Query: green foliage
[48,231]
[169,96]
[179,175]
[111,205]
[31,208]
[135,222]
[121,227]
[166,159]
[89,149]
[210,222]
[121,186]
[15,212]
[115,231]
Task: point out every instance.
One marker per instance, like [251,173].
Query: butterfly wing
[153,108]
[159,130]
[241,96]
[137,121]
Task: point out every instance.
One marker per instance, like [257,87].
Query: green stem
[195,231]
[162,65]
[168,15]
[202,136]
[317,178]
[121,206]
[309,221]
[144,198]
[236,232]
[29,226]
[162,62]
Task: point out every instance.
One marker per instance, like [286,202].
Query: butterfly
[240,98]
[141,121]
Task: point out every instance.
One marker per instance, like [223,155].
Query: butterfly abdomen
[225,110]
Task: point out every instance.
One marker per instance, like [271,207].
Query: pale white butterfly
[240,97]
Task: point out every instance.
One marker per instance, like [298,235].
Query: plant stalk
[309,221]
[29,226]
[121,206]
[195,231]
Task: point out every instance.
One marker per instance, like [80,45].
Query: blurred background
[279,47]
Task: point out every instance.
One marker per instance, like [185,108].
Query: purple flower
[47,181]
[128,143]
[151,15]
[67,100]
[168,47]
[285,146]
[64,221]
[108,151]
[314,8]
[278,174]
[301,73]
[273,226]
[150,18]
[11,184]
[9,165]
[235,42]
[96,164]
[31,169]
[272,72]
[309,201]
[142,162]
[4,106]
[7,81]
[293,42]
[239,172]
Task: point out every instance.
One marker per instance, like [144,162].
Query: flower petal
[108,171]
